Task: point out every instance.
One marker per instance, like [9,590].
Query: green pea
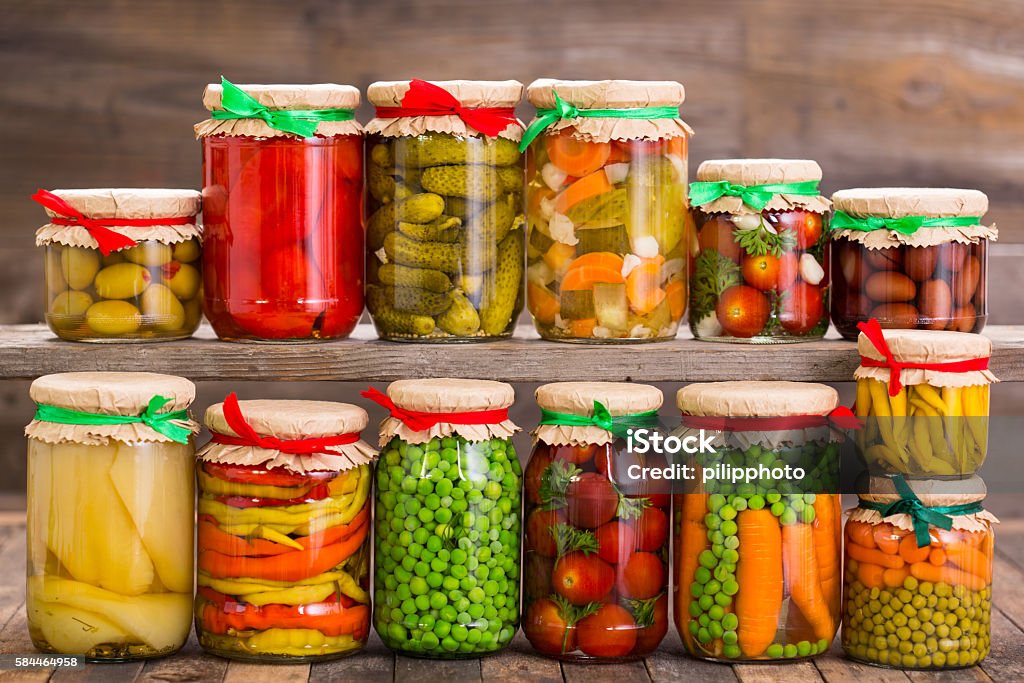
[756,502]
[789,650]
[778,508]
[729,528]
[774,650]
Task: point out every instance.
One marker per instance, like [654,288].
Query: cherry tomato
[546,628]
[592,500]
[534,474]
[616,540]
[658,500]
[717,234]
[890,258]
[742,311]
[642,577]
[651,529]
[802,308]
[761,272]
[581,578]
[806,226]
[604,459]
[649,637]
[608,632]
[789,270]
[575,454]
[538,531]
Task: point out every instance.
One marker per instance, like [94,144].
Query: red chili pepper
[318,492]
[257,474]
[332,617]
[211,537]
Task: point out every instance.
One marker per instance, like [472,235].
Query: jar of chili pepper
[284,523]
[446,565]
[609,235]
[121,264]
[759,269]
[444,224]
[910,258]
[918,574]
[282,204]
[757,560]
[110,514]
[596,560]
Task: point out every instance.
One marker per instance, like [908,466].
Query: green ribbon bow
[566,110]
[940,516]
[754,196]
[162,423]
[907,225]
[239,104]
[618,425]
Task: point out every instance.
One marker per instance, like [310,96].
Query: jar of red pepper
[282,199]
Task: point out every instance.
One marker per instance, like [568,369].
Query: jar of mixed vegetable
[110,515]
[282,203]
[284,523]
[121,264]
[596,560]
[918,575]
[759,274]
[446,566]
[757,562]
[606,196]
[911,258]
[924,397]
[444,225]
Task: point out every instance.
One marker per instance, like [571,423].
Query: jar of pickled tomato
[121,264]
[759,274]
[110,515]
[284,531]
[282,207]
[910,258]
[608,228]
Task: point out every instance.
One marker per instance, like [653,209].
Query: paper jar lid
[282,97]
[931,492]
[577,398]
[762,172]
[757,399]
[928,346]
[446,395]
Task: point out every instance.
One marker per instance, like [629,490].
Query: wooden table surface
[376,664]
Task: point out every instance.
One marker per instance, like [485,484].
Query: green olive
[67,310]
[79,266]
[113,318]
[187,251]
[182,278]
[149,254]
[193,313]
[122,281]
[162,309]
[55,282]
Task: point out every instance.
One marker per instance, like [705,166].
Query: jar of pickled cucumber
[121,264]
[924,397]
[609,234]
[282,211]
[910,258]
[447,523]
[759,272]
[757,560]
[110,514]
[444,211]
[283,538]
[596,562]
[918,574]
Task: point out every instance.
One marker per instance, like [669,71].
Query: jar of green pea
[448,515]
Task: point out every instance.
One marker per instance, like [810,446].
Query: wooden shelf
[27,351]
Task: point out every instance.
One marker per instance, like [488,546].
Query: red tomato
[603,459]
[546,628]
[761,272]
[651,529]
[717,234]
[789,270]
[582,578]
[642,577]
[534,474]
[592,500]
[616,540]
[742,311]
[575,454]
[608,632]
[538,531]
[805,225]
[649,637]
[537,575]
[802,308]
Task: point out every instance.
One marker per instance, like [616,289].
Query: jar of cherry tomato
[910,258]
[757,561]
[918,575]
[596,560]
[759,271]
[607,210]
[284,531]
[282,203]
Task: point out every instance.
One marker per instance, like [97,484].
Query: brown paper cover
[928,346]
[932,493]
[108,393]
[469,93]
[762,172]
[577,398]
[446,395]
[313,96]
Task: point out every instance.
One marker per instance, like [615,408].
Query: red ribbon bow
[426,99]
[421,422]
[873,331]
[99,228]
[841,418]
[247,436]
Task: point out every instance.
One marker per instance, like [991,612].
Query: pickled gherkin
[424,278]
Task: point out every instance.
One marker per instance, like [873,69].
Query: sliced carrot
[585,277]
[910,552]
[860,533]
[601,259]
[620,153]
[926,571]
[583,327]
[678,146]
[893,578]
[643,287]
[574,156]
[970,559]
[871,575]
[586,187]
[886,539]
[558,255]
[676,293]
[874,556]
[543,303]
[937,556]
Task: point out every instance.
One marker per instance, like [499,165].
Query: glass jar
[924,422]
[922,604]
[283,538]
[910,258]
[759,273]
[757,562]
[608,232]
[121,264]
[596,560]
[110,515]
[444,212]
[446,572]
[282,214]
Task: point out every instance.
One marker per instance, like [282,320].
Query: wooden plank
[605,673]
[950,676]
[410,670]
[247,672]
[374,664]
[520,662]
[189,664]
[1005,661]
[14,639]
[125,672]
[836,668]
[670,662]
[792,672]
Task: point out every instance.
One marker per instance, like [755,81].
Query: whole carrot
[798,555]
[970,559]
[926,571]
[826,547]
[874,556]
[692,540]
[860,533]
[759,574]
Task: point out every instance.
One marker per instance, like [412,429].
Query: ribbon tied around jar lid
[421,421]
[172,425]
[238,104]
[754,196]
[907,225]
[427,99]
[922,516]
[619,425]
